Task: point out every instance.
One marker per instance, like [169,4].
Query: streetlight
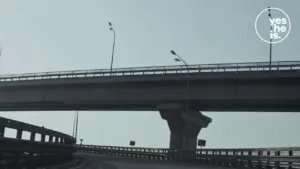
[180,59]
[113,49]
[271,28]
[75,125]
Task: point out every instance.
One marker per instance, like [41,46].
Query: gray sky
[53,35]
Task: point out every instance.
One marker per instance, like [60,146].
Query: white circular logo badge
[279,26]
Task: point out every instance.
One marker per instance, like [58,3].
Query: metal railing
[254,157]
[19,151]
[156,70]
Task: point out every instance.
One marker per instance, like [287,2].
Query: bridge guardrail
[178,69]
[52,147]
[254,157]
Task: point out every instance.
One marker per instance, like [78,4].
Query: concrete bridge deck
[218,87]
[273,91]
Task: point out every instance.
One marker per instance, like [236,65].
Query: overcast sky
[54,35]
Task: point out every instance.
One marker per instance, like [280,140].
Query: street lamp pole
[180,59]
[113,48]
[76,126]
[271,28]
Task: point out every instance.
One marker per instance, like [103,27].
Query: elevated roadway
[59,150]
[18,152]
[218,87]
[177,92]
[139,157]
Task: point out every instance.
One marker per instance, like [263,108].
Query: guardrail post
[227,159]
[32,136]
[220,159]
[234,162]
[268,162]
[277,163]
[200,156]
[2,130]
[259,153]
[242,160]
[250,161]
[212,158]
[19,134]
[206,157]
[290,163]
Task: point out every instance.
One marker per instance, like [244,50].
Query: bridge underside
[253,105]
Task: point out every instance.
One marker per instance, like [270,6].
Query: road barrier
[268,158]
[55,147]
[52,147]
[156,70]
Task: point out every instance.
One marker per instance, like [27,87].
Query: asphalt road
[96,161]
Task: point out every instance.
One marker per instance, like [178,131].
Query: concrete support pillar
[19,134]
[184,126]
[56,139]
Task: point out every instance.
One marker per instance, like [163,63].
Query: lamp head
[173,52]
[177,60]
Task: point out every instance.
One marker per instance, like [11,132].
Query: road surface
[96,161]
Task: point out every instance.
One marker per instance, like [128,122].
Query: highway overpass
[178,92]
[218,87]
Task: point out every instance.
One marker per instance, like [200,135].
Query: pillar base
[184,126]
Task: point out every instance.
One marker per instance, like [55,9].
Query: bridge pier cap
[184,125]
